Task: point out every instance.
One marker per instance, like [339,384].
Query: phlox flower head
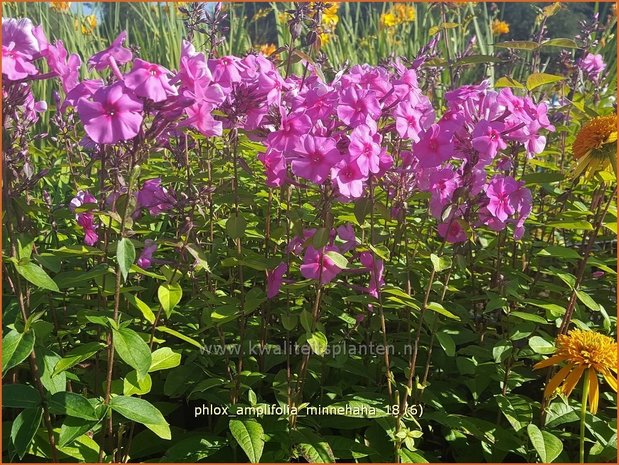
[155,197]
[319,266]
[592,65]
[116,54]
[314,157]
[150,80]
[145,260]
[275,279]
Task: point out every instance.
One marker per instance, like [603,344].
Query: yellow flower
[595,146]
[330,17]
[61,7]
[325,38]
[588,353]
[404,13]
[500,27]
[267,49]
[87,25]
[388,19]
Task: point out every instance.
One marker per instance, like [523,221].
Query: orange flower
[500,27]
[267,49]
[595,146]
[586,353]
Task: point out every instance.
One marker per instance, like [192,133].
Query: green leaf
[20,396]
[438,308]
[547,445]
[72,428]
[541,345]
[529,317]
[194,449]
[47,361]
[164,359]
[518,45]
[16,347]
[250,436]
[175,333]
[199,255]
[235,226]
[362,208]
[587,300]
[517,410]
[536,80]
[313,448]
[132,349]
[575,225]
[125,254]
[24,428]
[339,260]
[543,178]
[560,252]
[77,355]
[169,296]
[440,263]
[37,276]
[447,343]
[507,81]
[560,42]
[134,385]
[318,343]
[147,313]
[409,456]
[320,238]
[142,411]
[73,405]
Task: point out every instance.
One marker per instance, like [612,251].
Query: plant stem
[583,414]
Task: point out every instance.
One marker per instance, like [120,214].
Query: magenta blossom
[314,157]
[347,234]
[499,191]
[275,278]
[146,257]
[275,167]
[349,178]
[319,266]
[85,219]
[364,149]
[443,184]
[452,231]
[358,107]
[376,268]
[592,65]
[112,56]
[16,65]
[487,140]
[155,197]
[434,147]
[22,34]
[150,80]
[113,115]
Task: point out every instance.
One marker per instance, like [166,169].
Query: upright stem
[583,414]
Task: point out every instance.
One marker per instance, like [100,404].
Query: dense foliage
[239,255]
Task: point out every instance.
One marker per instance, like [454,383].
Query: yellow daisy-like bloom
[586,353]
[404,13]
[388,19]
[61,7]
[499,27]
[595,146]
[89,24]
[267,49]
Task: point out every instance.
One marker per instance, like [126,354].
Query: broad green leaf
[543,178]
[24,428]
[73,405]
[37,276]
[320,238]
[132,349]
[194,449]
[541,345]
[517,410]
[587,300]
[339,260]
[125,254]
[16,347]
[72,428]
[169,296]
[547,445]
[175,333]
[409,456]
[235,226]
[447,343]
[318,342]
[78,355]
[560,42]
[313,448]
[142,411]
[20,396]
[164,358]
[147,313]
[536,80]
[438,308]
[132,385]
[362,208]
[529,317]
[440,263]
[47,361]
[507,81]
[199,255]
[568,224]
[250,436]
[559,251]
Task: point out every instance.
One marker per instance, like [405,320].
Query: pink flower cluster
[317,263]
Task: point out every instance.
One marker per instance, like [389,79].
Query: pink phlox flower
[488,140]
[116,54]
[319,266]
[314,157]
[442,185]
[365,149]
[150,80]
[155,197]
[275,167]
[434,147]
[349,178]
[275,279]
[499,192]
[358,107]
[146,257]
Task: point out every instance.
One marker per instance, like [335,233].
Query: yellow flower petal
[610,379]
[549,362]
[572,380]
[594,391]
[556,380]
